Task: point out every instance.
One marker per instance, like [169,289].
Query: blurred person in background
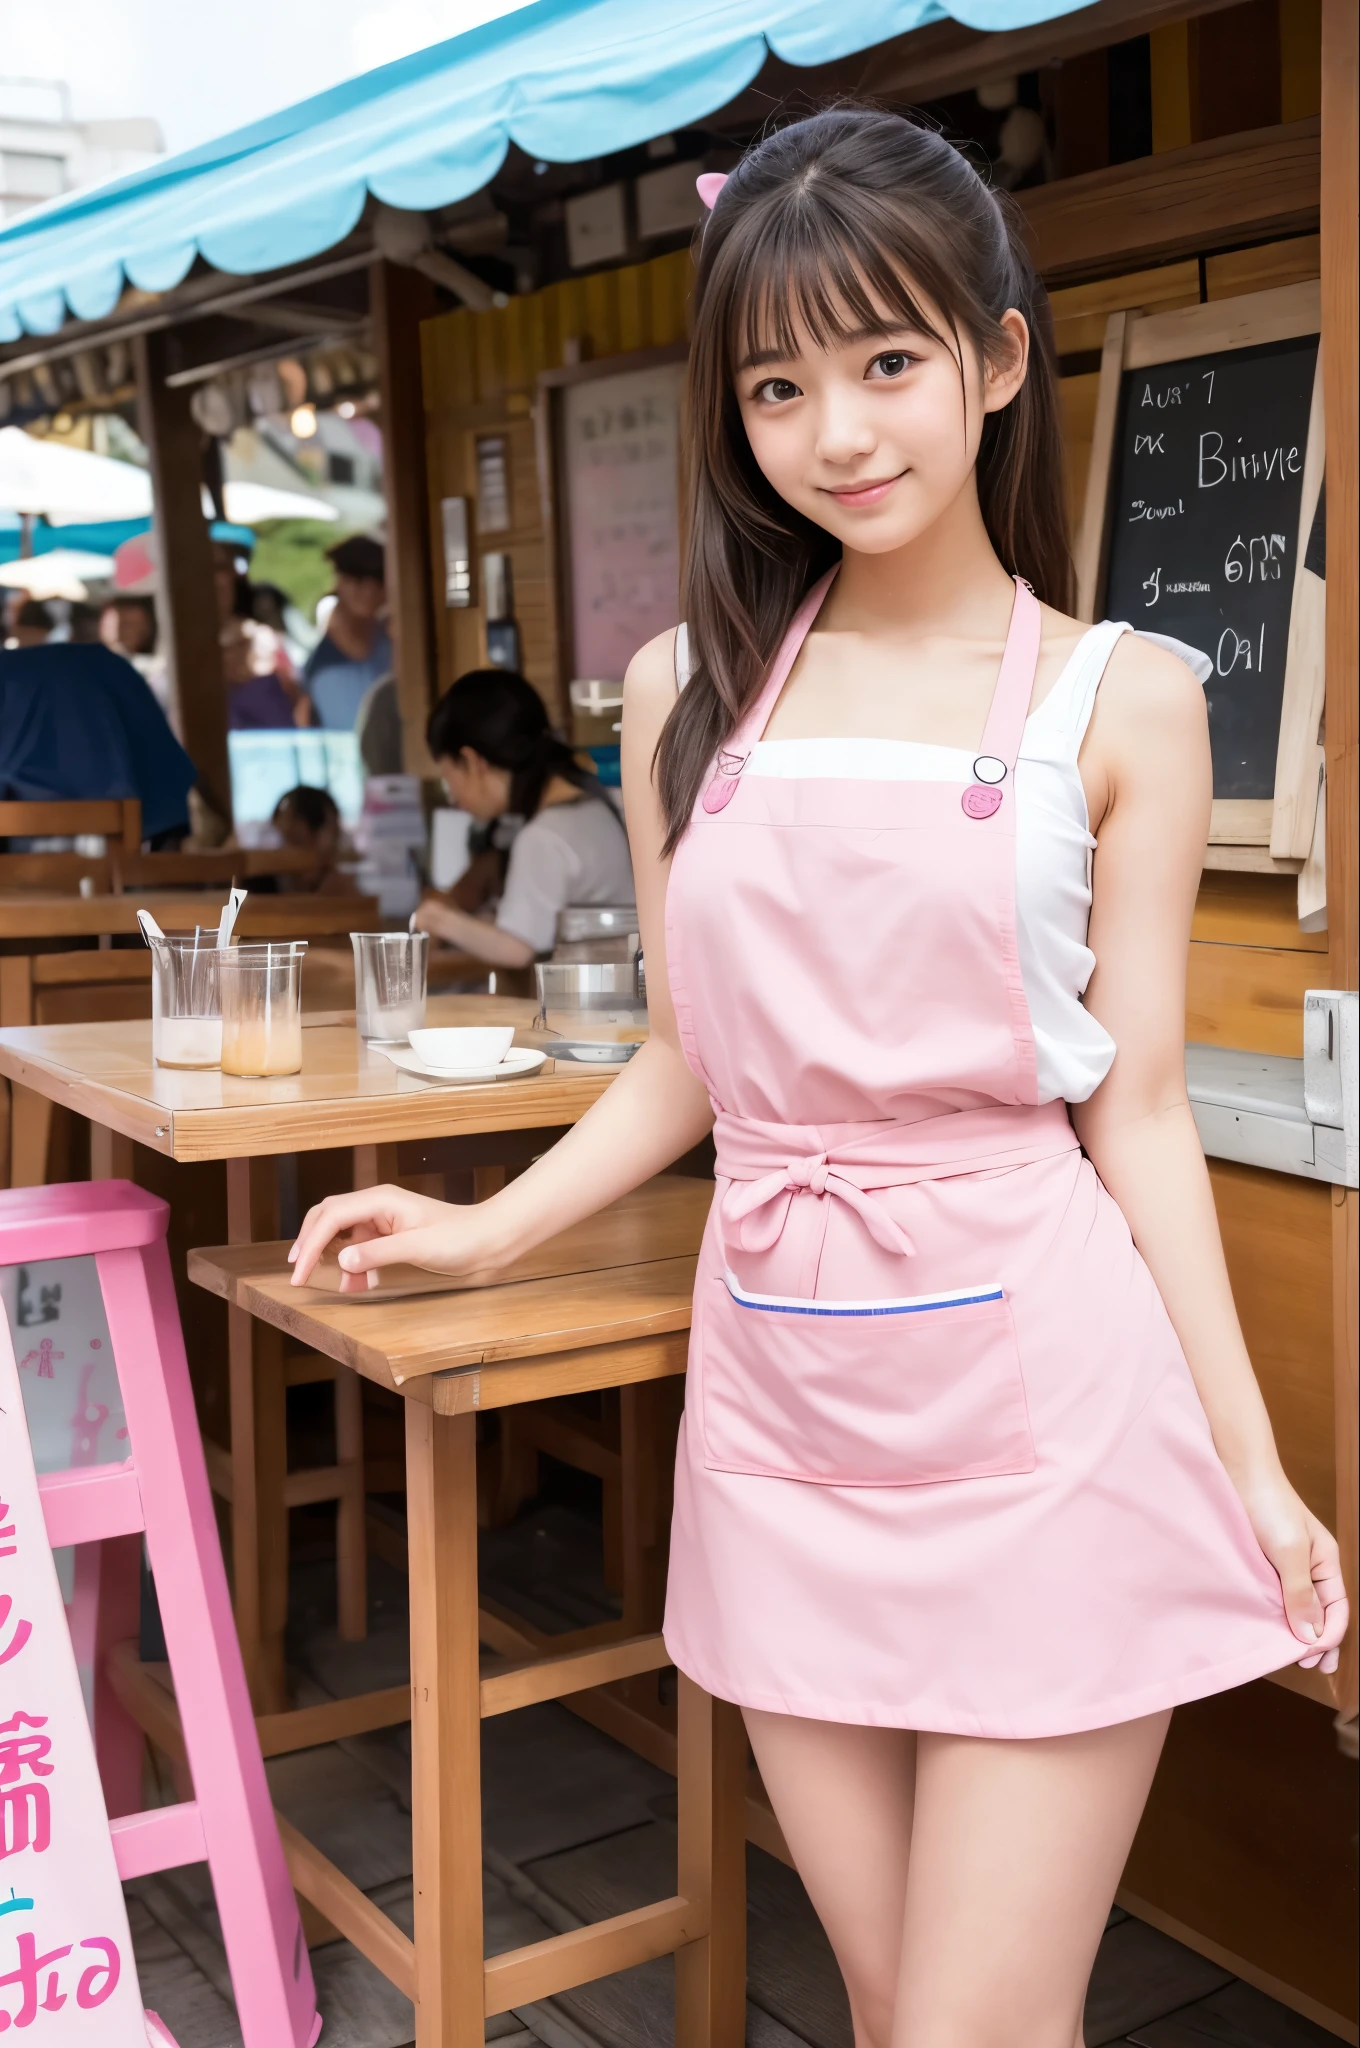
[354,651]
[499,757]
[32,624]
[307,819]
[78,723]
[263,692]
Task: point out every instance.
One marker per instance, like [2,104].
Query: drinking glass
[186,1001]
[389,982]
[262,1009]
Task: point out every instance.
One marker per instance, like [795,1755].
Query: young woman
[498,755]
[975,1482]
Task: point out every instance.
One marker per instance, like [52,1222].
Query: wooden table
[345,1096]
[606,1304]
[45,979]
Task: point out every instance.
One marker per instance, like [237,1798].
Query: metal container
[590,1010]
[583,921]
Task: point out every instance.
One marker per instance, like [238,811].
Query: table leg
[259,1453]
[110,1154]
[446,1805]
[30,1135]
[710,1974]
[351,1530]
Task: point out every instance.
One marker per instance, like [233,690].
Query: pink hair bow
[708,185]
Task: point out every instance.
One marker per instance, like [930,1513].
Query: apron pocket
[900,1393]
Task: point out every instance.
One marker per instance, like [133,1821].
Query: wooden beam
[318,1880]
[522,1975]
[553,1678]
[332,1720]
[1240,189]
[1340,341]
[400,299]
[187,600]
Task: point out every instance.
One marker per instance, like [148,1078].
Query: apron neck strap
[800,625]
[1015,684]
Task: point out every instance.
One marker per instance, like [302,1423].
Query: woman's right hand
[388,1226]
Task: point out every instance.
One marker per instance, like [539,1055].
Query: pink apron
[942,1465]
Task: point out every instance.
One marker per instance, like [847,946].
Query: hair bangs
[830,268]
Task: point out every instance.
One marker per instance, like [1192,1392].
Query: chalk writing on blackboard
[1204,532]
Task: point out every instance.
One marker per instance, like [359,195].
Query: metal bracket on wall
[1289,1116]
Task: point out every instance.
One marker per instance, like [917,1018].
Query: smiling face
[871,427]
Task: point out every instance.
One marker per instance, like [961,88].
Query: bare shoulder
[649,687]
[1149,699]
[649,693]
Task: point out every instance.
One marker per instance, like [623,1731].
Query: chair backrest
[113,818]
[64,871]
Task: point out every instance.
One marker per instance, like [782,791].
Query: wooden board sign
[1206,468]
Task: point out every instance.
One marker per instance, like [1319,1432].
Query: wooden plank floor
[576,1828]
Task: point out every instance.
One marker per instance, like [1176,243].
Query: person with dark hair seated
[499,757]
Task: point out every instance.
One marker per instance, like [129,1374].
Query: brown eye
[777,390]
[891,363]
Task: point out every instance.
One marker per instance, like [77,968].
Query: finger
[367,1207]
[1302,1607]
[399,1248]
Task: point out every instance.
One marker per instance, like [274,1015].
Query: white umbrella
[44,479]
[62,572]
[70,486]
[250,504]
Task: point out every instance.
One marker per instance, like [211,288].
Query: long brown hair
[824,225]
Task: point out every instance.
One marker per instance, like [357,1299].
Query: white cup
[453,1048]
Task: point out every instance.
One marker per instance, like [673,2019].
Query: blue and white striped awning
[566,80]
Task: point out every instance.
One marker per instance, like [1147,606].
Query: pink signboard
[620,440]
[67,1975]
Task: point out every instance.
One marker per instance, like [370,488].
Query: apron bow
[812,1174]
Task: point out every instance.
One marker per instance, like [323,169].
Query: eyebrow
[761,359]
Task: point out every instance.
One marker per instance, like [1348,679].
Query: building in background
[44,153]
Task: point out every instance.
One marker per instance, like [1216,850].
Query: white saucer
[521,1059]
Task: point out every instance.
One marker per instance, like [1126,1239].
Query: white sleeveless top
[1053,843]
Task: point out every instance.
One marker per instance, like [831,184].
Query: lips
[871,493]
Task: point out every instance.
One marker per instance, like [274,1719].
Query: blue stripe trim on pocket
[908,1305]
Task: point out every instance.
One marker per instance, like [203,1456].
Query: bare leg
[1016,1851]
[843,1797]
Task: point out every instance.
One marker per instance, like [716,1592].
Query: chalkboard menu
[1204,530]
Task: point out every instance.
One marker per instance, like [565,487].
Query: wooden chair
[79,873]
[117,820]
[91,985]
[606,1305]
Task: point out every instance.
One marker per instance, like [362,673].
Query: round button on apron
[987,768]
[981,802]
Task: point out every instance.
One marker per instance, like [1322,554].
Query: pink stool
[161,1491]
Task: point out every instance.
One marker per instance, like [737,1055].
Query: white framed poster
[616,447]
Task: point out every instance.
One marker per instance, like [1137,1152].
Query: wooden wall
[481,371]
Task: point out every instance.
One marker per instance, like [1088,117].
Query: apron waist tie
[766,1165]
[744,1200]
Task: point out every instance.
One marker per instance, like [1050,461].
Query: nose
[844,432]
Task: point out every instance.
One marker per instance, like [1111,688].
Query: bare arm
[655,1110]
[1147,769]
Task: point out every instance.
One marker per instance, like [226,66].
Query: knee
[871,2012]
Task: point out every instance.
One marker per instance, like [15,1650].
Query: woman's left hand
[1309,1564]
[434,917]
